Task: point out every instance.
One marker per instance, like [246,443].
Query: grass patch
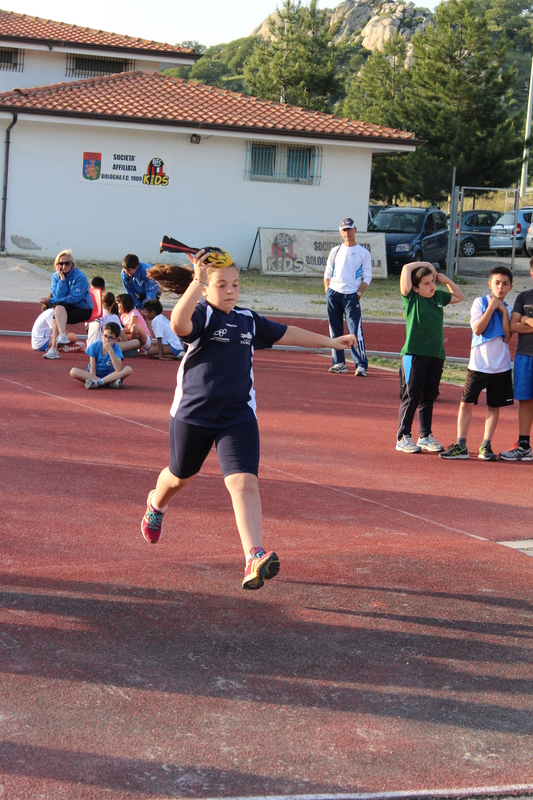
[110,272]
[452,373]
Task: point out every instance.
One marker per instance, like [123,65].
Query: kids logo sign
[283,258]
[155,173]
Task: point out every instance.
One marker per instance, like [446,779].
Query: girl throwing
[215,398]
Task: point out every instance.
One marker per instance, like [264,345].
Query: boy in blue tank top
[489,367]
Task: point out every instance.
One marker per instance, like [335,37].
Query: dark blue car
[413,234]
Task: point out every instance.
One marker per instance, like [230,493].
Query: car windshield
[396,222]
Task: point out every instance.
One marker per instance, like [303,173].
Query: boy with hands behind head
[423,352]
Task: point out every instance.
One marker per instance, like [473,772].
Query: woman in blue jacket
[69,296]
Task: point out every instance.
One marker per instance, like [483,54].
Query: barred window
[80,66]
[283,163]
[11,60]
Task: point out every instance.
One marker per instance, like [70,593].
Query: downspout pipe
[4,194]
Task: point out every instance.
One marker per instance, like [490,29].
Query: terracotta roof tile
[25,28]
[138,96]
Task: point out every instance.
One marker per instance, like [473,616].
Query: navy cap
[344,224]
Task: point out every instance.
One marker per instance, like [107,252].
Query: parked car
[501,234]
[475,230]
[529,241]
[412,234]
[373,209]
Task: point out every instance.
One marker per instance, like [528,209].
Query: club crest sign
[92,166]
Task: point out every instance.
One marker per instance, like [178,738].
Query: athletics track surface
[393,652]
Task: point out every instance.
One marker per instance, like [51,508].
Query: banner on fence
[303,252]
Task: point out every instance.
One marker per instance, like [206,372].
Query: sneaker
[517,453]
[429,444]
[261,567]
[62,339]
[454,451]
[152,522]
[360,372]
[91,384]
[486,453]
[406,445]
[51,353]
[339,368]
[116,384]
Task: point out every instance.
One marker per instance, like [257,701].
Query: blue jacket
[140,287]
[74,290]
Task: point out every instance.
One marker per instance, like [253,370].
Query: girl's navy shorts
[237,447]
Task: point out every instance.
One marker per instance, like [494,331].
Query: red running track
[381,336]
[392,653]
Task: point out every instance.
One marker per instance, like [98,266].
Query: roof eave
[203,126]
[160,55]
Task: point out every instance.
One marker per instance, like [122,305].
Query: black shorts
[499,386]
[237,447]
[75,314]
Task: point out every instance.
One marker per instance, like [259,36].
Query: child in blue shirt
[105,364]
[136,282]
[214,401]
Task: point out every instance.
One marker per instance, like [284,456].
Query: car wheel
[524,251]
[468,248]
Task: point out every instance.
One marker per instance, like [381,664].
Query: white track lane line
[265,466]
[423,794]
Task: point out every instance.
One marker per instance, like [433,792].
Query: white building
[108,165]
[35,52]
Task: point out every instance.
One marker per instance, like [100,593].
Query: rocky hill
[370,22]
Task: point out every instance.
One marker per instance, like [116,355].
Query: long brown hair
[174,278]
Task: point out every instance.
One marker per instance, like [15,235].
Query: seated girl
[133,322]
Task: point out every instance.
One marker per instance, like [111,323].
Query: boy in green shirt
[423,352]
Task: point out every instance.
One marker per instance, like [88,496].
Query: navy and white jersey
[215,386]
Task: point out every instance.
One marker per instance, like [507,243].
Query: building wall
[42,67]
[206,202]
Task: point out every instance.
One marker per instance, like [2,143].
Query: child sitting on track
[44,331]
[105,367]
[167,345]
[215,398]
[489,367]
[133,322]
[423,352]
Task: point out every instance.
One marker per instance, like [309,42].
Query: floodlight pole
[525,161]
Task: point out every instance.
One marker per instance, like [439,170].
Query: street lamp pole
[525,161]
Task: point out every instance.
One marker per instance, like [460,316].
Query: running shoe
[517,453]
[429,444]
[454,451]
[486,453]
[360,372]
[91,384]
[406,445]
[338,368]
[52,352]
[261,567]
[152,522]
[62,339]
[116,384]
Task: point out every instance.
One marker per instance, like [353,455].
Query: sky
[206,21]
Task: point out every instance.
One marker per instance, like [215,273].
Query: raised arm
[181,317]
[406,282]
[299,337]
[456,293]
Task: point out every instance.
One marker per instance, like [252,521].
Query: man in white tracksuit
[347,276]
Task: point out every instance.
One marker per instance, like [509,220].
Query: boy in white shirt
[167,345]
[490,365]
[44,332]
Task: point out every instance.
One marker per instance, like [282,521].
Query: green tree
[376,95]
[296,64]
[458,97]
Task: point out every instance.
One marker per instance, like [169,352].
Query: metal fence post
[451,230]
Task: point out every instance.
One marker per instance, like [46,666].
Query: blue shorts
[237,447]
[44,347]
[523,377]
[175,351]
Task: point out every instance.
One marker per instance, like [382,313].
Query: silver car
[501,234]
